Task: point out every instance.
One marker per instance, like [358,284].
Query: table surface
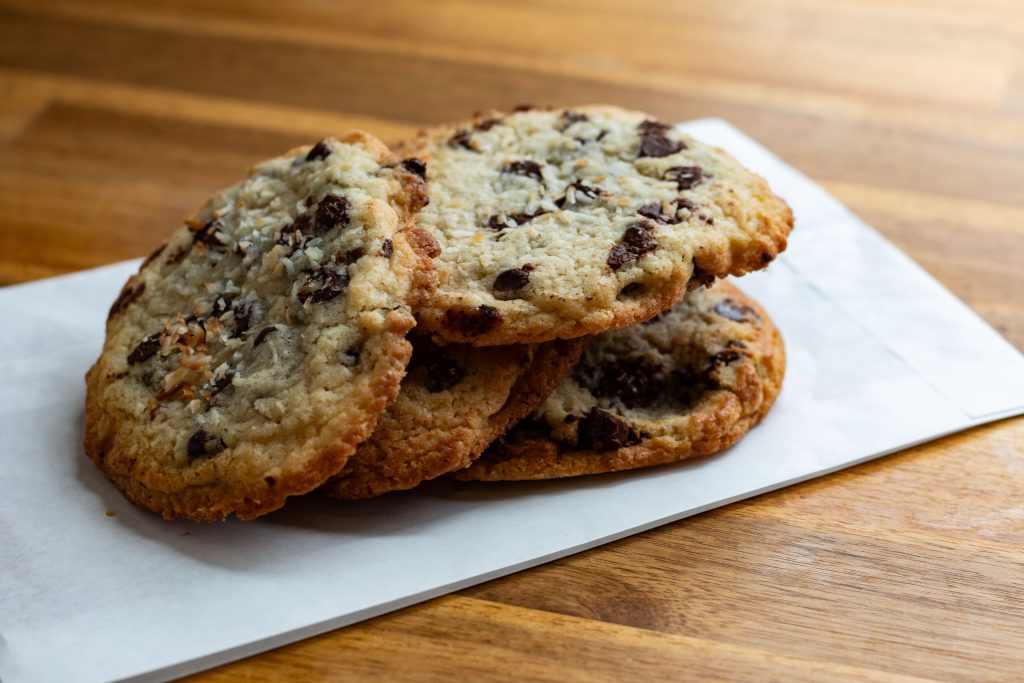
[117,118]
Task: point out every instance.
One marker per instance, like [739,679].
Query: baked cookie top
[687,383]
[455,400]
[254,351]
[561,223]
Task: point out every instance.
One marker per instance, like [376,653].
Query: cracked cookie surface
[253,352]
[562,223]
[690,382]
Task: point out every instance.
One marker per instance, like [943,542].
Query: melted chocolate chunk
[579,190]
[655,212]
[686,177]
[242,313]
[442,374]
[512,279]
[599,430]
[320,151]
[386,249]
[727,308]
[571,117]
[145,349]
[262,335]
[473,322]
[125,299]
[211,236]
[415,166]
[633,380]
[331,212]
[202,444]
[152,257]
[530,169]
[650,127]
[636,242]
[462,138]
[322,284]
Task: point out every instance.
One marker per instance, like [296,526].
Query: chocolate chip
[512,279]
[659,146]
[129,293]
[632,380]
[636,242]
[530,169]
[650,127]
[322,284]
[415,166]
[571,117]
[331,212]
[219,385]
[578,190]
[500,221]
[473,322]
[221,305]
[320,151]
[767,257]
[352,255]
[152,257]
[524,107]
[210,235]
[242,314]
[262,335]
[386,249]
[202,444]
[685,177]
[442,374]
[487,124]
[723,358]
[655,212]
[727,308]
[700,277]
[270,481]
[145,350]
[462,138]
[599,430]
[654,142]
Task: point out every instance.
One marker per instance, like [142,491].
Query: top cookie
[561,223]
[254,351]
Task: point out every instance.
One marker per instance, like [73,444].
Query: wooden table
[117,118]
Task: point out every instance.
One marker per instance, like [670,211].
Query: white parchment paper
[880,357]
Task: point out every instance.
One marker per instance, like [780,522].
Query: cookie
[253,352]
[687,383]
[563,223]
[454,402]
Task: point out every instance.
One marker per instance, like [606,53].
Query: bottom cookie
[454,401]
[687,383]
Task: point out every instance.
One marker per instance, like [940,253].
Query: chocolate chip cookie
[454,401]
[686,383]
[562,223]
[253,352]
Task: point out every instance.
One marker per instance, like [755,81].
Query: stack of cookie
[520,296]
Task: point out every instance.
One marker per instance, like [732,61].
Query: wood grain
[117,118]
